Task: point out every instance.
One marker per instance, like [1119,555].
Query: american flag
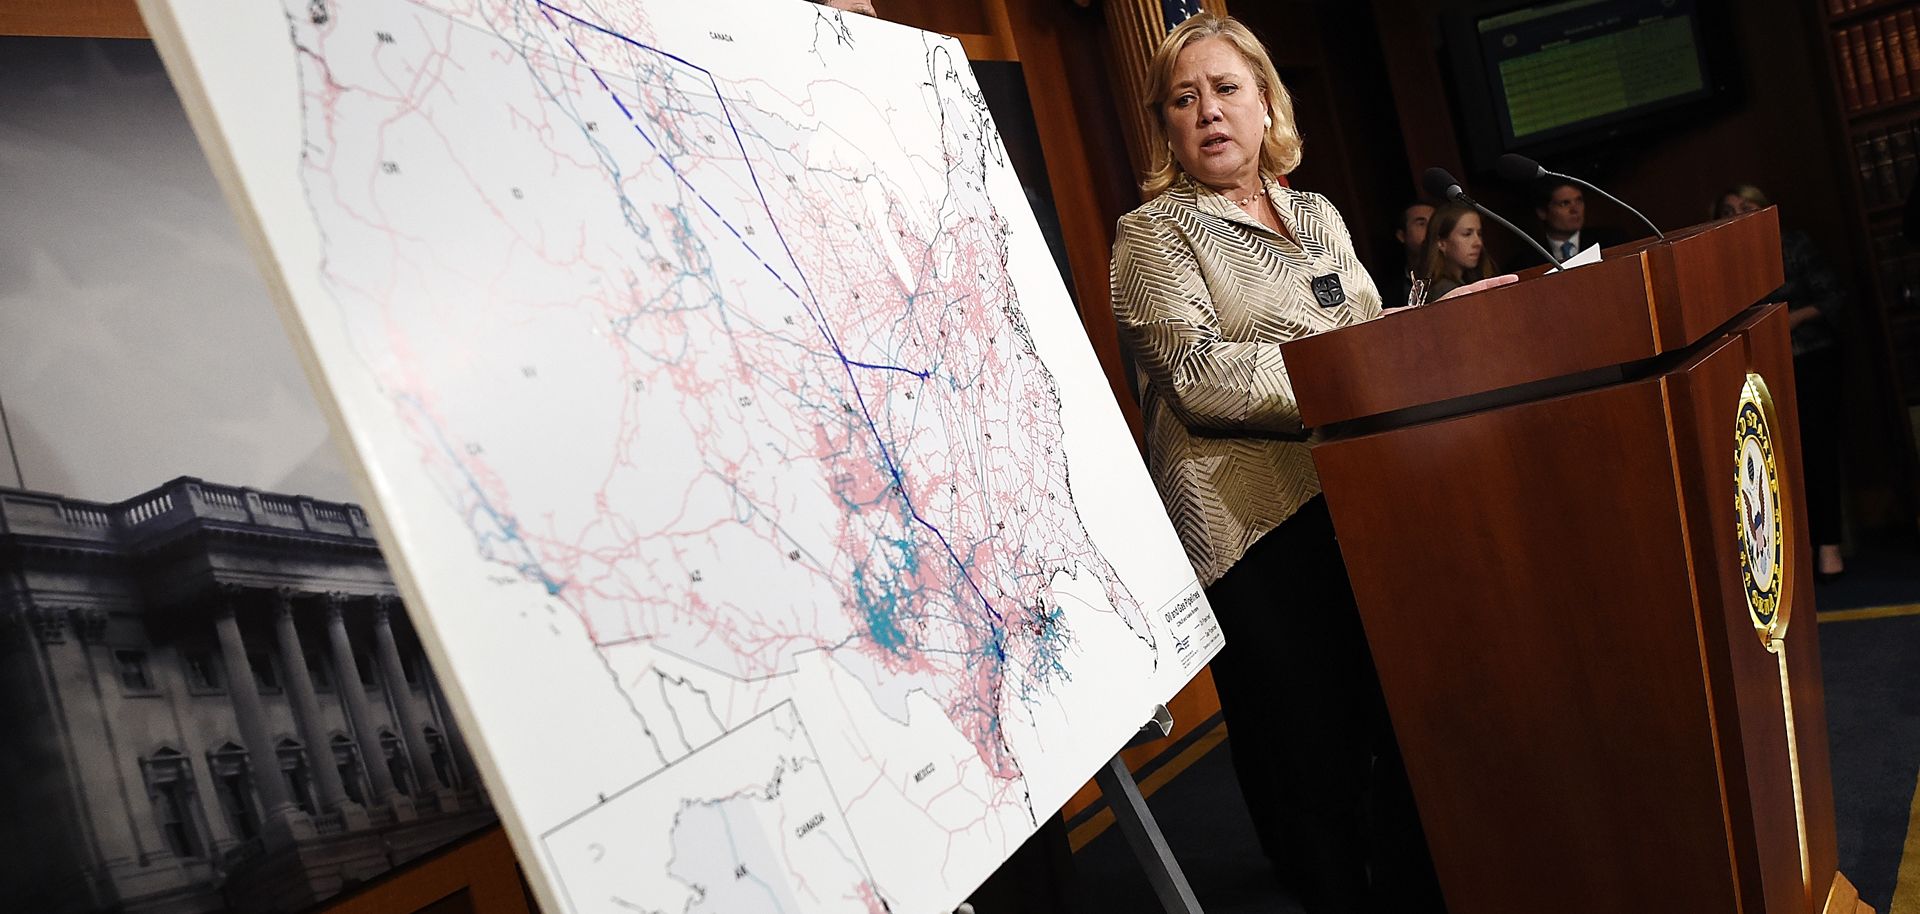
[1178,11]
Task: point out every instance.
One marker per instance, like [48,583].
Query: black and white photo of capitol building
[211,700]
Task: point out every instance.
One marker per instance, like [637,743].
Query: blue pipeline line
[922,375]
[509,528]
[809,302]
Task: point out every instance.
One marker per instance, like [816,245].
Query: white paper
[1590,255]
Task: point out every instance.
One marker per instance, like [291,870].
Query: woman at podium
[1221,266]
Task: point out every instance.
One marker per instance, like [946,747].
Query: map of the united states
[700,345]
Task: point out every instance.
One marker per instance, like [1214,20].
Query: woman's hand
[1492,282]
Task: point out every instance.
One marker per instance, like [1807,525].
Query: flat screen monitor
[1575,69]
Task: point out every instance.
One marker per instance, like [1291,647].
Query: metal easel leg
[1143,833]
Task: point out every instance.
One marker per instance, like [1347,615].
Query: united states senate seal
[1757,482]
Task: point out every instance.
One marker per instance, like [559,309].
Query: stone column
[463,767]
[41,630]
[396,675]
[306,710]
[278,810]
[365,732]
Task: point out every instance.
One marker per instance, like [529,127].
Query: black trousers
[1312,745]
[1816,379]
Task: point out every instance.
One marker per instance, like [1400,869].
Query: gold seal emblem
[1761,523]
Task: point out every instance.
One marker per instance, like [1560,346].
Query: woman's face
[1734,205]
[1214,116]
[1461,247]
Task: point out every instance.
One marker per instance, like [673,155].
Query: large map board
[756,490]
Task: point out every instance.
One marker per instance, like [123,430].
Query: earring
[1267,122]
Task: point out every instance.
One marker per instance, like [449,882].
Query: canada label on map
[753,484]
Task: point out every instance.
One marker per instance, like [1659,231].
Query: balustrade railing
[89,517]
[277,505]
[180,501]
[329,513]
[224,497]
[142,511]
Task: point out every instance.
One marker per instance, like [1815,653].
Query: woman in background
[1455,253]
[1814,297]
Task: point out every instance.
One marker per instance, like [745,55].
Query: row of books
[1843,7]
[1879,59]
[1888,159]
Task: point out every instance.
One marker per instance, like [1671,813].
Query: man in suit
[1393,281]
[1562,210]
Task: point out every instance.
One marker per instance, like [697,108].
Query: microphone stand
[1616,201]
[1523,236]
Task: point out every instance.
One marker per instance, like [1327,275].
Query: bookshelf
[1872,50]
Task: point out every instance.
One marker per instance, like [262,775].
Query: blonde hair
[1747,192]
[1279,146]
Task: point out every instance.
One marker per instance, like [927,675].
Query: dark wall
[1330,63]
[1780,133]
[1776,135]
[1374,100]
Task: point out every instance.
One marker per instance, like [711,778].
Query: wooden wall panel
[481,871]
[948,17]
[72,18]
[1135,29]
[1041,32]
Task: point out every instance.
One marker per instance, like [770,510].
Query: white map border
[233,59]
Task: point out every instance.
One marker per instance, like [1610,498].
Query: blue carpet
[1871,668]
[1884,575]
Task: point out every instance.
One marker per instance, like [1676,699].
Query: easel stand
[1136,822]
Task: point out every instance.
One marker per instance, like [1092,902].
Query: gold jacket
[1205,295]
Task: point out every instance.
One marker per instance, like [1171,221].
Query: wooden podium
[1537,491]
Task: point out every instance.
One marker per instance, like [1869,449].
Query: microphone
[1519,169]
[1438,183]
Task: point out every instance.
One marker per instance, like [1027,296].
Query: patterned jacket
[1205,295]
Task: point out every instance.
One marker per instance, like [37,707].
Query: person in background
[1221,266]
[1814,297]
[1455,252]
[1412,235]
[1562,210]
